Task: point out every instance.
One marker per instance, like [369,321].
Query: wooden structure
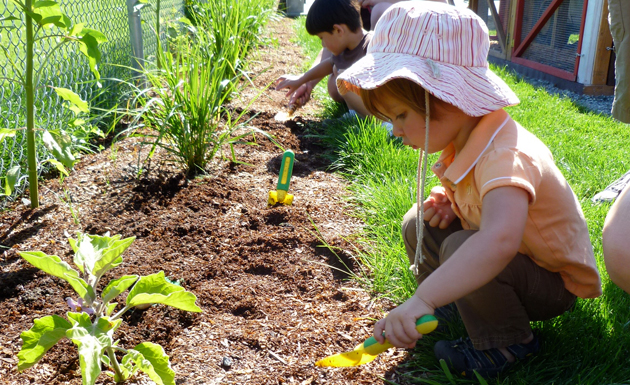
[567,42]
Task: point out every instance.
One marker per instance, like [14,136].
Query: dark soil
[274,301]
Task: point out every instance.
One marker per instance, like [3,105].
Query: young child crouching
[503,237]
[338,24]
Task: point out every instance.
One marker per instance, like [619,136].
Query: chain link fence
[68,68]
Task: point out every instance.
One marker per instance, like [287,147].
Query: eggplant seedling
[91,322]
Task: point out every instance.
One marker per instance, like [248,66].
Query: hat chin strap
[422,176]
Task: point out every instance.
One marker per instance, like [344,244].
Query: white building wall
[589,42]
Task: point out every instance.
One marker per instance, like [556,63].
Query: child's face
[332,41]
[410,125]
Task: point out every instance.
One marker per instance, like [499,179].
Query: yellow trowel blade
[354,358]
[368,350]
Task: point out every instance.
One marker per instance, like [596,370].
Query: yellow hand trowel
[368,350]
[281,194]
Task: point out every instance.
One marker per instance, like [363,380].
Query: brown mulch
[274,301]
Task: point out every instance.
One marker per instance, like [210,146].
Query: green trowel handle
[424,325]
[286,169]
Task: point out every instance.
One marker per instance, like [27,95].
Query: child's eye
[401,116]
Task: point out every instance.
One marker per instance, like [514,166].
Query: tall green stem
[29,88]
[112,359]
[157,31]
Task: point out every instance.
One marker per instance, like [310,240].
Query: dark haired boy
[338,24]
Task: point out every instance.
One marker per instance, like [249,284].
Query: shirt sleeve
[508,167]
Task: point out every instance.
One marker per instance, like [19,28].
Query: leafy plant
[184,107]
[90,324]
[39,16]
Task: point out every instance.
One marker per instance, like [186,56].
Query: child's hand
[292,82]
[437,208]
[400,324]
[302,95]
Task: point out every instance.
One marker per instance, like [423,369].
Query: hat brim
[477,91]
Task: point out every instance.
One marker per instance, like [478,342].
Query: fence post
[135,35]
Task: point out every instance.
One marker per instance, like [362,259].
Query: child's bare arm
[292,82]
[482,257]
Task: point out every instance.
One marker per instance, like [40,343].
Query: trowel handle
[424,325]
[286,169]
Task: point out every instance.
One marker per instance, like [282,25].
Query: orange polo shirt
[499,152]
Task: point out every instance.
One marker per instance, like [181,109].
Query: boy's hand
[437,208]
[292,82]
[302,95]
[400,324]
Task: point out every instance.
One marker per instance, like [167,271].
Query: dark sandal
[462,357]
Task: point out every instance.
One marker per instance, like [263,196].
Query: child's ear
[338,28]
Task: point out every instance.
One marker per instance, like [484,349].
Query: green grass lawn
[589,345]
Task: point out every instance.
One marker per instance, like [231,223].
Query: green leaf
[74,99]
[90,339]
[155,289]
[77,122]
[11,179]
[111,256]
[54,266]
[59,166]
[88,42]
[110,308]
[61,153]
[127,367]
[48,13]
[117,286]
[6,133]
[99,254]
[151,359]
[8,18]
[44,334]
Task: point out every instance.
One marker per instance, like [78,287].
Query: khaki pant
[497,314]
[619,19]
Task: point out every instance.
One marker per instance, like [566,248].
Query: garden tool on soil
[283,116]
[368,350]
[281,194]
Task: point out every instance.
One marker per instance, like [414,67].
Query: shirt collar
[478,142]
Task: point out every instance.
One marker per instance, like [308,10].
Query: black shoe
[463,358]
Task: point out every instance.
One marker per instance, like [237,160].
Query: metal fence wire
[68,68]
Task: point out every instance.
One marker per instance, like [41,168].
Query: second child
[338,24]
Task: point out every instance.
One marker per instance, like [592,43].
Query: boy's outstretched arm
[480,259]
[293,82]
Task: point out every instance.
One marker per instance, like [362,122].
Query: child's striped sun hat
[440,47]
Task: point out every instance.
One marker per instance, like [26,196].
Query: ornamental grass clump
[183,110]
[235,27]
[91,322]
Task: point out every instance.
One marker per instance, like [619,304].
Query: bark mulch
[274,301]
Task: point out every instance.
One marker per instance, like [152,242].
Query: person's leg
[354,102]
[616,241]
[619,18]
[498,314]
[431,241]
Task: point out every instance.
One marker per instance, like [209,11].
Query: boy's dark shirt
[348,57]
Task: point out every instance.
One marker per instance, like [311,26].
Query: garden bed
[274,300]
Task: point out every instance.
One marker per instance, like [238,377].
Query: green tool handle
[286,170]
[424,325]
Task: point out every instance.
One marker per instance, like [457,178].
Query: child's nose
[397,131]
